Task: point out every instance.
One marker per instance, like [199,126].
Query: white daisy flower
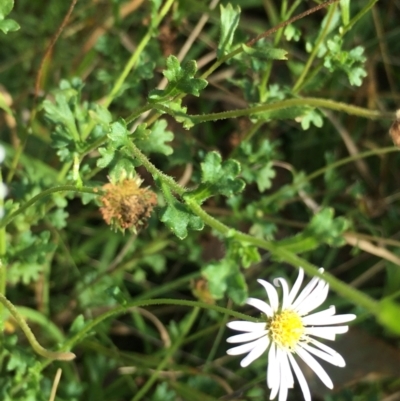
[288,330]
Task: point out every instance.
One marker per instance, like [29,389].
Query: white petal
[288,379]
[260,305]
[242,325]
[244,338]
[313,299]
[306,290]
[271,370]
[242,349]
[300,377]
[274,372]
[272,294]
[283,392]
[335,360]
[315,366]
[319,298]
[286,375]
[285,289]
[329,333]
[335,319]
[327,350]
[295,289]
[317,317]
[256,352]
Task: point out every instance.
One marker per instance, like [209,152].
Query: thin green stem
[357,17]
[47,192]
[280,105]
[217,342]
[263,93]
[167,358]
[154,170]
[148,302]
[320,39]
[61,356]
[342,32]
[267,33]
[136,54]
[348,292]
[323,170]
[138,112]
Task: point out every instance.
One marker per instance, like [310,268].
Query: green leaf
[8,25]
[225,277]
[180,113]
[154,140]
[229,20]
[118,133]
[77,325]
[237,288]
[325,228]
[61,115]
[179,218]
[245,255]
[116,293]
[216,275]
[264,176]
[123,167]
[27,257]
[292,33]
[6,7]
[351,62]
[311,116]
[218,178]
[107,155]
[180,80]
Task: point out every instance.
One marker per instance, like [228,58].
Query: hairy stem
[61,356]
[47,192]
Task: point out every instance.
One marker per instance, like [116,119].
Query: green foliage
[180,80]
[230,17]
[225,277]
[257,164]
[178,218]
[217,178]
[351,62]
[27,256]
[233,194]
[7,25]
[154,140]
[322,229]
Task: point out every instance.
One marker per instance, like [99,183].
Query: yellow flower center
[285,329]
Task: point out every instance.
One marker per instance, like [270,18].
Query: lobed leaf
[230,17]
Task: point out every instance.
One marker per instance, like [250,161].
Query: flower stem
[320,39]
[61,356]
[280,105]
[38,197]
[341,288]
[136,54]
